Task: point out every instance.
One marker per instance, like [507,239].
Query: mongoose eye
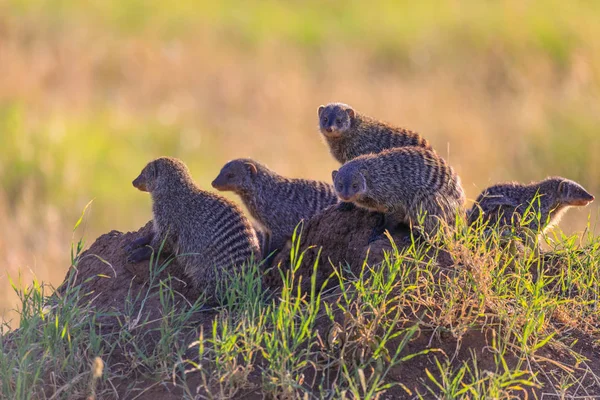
[338,121]
[355,186]
[325,120]
[230,175]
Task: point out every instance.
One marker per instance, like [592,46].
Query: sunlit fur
[403,183]
[545,202]
[210,232]
[350,134]
[276,202]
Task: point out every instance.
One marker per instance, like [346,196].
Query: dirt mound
[107,280]
[343,238]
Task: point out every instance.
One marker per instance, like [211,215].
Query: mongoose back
[405,184]
[350,134]
[507,204]
[276,202]
[209,232]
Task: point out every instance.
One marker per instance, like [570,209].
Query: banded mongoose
[406,184]
[350,134]
[535,206]
[209,233]
[276,202]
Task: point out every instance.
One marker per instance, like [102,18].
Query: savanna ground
[90,91]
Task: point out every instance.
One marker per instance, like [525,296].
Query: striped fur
[350,134]
[505,204]
[209,233]
[276,202]
[402,183]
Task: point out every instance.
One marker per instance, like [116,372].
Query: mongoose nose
[330,129]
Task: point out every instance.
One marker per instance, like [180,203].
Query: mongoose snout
[582,202]
[139,183]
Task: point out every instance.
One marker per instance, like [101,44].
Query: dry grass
[89,93]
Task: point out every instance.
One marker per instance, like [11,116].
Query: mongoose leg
[345,206]
[275,244]
[379,228]
[386,222]
[139,242]
[269,248]
[140,254]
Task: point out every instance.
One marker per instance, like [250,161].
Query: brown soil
[108,280]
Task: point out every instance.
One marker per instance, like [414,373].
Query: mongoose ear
[333,175]
[321,108]
[350,113]
[252,168]
[364,180]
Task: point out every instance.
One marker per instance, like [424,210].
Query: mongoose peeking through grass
[276,202]
[209,233]
[410,185]
[350,134]
[535,206]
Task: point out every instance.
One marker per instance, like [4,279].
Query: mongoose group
[386,169]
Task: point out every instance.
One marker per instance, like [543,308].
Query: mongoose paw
[130,247]
[137,243]
[378,233]
[345,206]
[140,254]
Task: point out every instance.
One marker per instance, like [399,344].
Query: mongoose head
[335,119]
[162,173]
[569,193]
[236,176]
[349,183]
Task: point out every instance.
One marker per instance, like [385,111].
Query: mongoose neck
[182,187]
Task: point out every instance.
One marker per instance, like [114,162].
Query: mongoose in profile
[276,202]
[350,134]
[535,206]
[410,185]
[209,233]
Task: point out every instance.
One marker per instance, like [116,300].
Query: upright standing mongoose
[276,202]
[209,233]
[409,185]
[350,134]
[535,206]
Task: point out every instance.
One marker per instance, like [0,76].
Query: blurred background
[92,90]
